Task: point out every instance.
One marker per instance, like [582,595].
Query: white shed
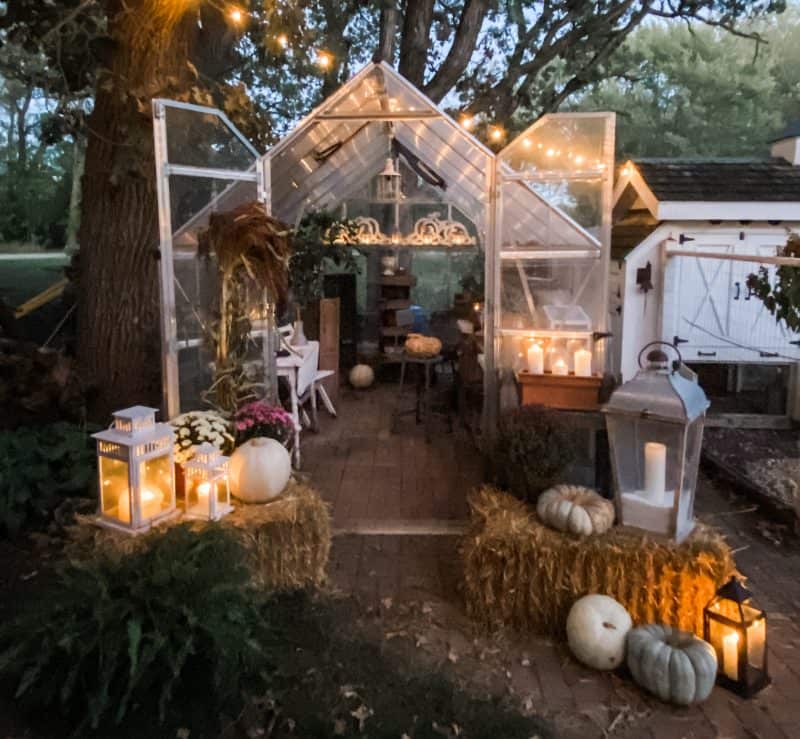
[735,214]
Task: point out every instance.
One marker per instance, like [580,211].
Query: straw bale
[520,573]
[287,540]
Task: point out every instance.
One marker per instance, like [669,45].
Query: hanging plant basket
[566,392]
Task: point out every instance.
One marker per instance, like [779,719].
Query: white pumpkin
[675,665]
[361,376]
[259,470]
[575,509]
[597,626]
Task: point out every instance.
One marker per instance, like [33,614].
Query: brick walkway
[409,588]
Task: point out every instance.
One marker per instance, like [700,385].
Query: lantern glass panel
[694,444]
[222,492]
[114,489]
[156,486]
[648,463]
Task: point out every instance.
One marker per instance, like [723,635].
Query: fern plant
[125,631]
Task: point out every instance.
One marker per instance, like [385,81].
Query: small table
[423,390]
[299,368]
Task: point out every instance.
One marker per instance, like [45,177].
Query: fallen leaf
[452,656]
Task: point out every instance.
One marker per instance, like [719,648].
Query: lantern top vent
[206,456]
[659,393]
[134,425]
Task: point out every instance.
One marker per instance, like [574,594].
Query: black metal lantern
[737,630]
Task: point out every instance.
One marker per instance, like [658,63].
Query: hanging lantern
[389,182]
[207,493]
[135,465]
[737,630]
[655,431]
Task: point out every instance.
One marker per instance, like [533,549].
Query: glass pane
[562,145]
[194,199]
[648,464]
[222,492]
[156,484]
[204,140]
[551,294]
[531,222]
[114,499]
[377,93]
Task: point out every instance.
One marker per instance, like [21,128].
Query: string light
[526,143]
[236,15]
[468,122]
[496,133]
[283,40]
[579,160]
[550,153]
[626,171]
[324,59]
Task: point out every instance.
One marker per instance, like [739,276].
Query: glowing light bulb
[283,40]
[579,159]
[324,59]
[203,489]
[550,152]
[526,143]
[496,133]
[468,122]
[236,15]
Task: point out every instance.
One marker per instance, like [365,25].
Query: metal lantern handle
[656,343]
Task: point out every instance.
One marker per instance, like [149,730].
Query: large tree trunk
[118,304]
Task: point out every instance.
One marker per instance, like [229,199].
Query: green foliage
[127,635]
[39,467]
[702,91]
[781,295]
[314,245]
[531,448]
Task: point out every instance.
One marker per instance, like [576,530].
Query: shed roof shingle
[721,180]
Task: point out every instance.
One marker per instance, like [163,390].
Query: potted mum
[263,419]
[195,428]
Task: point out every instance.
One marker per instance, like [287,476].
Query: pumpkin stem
[608,625]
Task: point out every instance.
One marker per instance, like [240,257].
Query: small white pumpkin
[419,345]
[597,626]
[575,509]
[259,470]
[674,665]
[361,376]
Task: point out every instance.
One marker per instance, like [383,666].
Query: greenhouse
[510,247]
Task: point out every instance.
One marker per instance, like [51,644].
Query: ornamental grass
[520,573]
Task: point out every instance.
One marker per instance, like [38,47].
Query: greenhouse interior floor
[382,481]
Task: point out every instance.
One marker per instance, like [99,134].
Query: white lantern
[136,470]
[389,182]
[655,432]
[207,494]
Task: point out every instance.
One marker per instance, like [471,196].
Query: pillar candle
[583,363]
[560,367]
[730,655]
[655,471]
[152,501]
[536,359]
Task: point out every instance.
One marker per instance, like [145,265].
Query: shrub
[262,419]
[39,467]
[140,627]
[530,450]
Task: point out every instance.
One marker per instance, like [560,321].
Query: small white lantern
[389,182]
[655,433]
[207,493]
[136,470]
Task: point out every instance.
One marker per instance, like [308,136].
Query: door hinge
[683,238]
[706,354]
[677,341]
[768,354]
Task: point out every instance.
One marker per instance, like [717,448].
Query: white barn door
[708,310]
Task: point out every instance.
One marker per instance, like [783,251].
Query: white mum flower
[186,443]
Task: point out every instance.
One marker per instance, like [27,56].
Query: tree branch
[415,40]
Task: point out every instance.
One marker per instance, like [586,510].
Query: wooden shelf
[395,330]
[560,391]
[398,280]
[397,304]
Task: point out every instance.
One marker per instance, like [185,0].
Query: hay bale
[520,573]
[287,540]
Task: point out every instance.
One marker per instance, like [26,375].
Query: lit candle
[583,363]
[655,471]
[730,655]
[152,501]
[203,489]
[535,359]
[756,638]
[550,356]
[560,367]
